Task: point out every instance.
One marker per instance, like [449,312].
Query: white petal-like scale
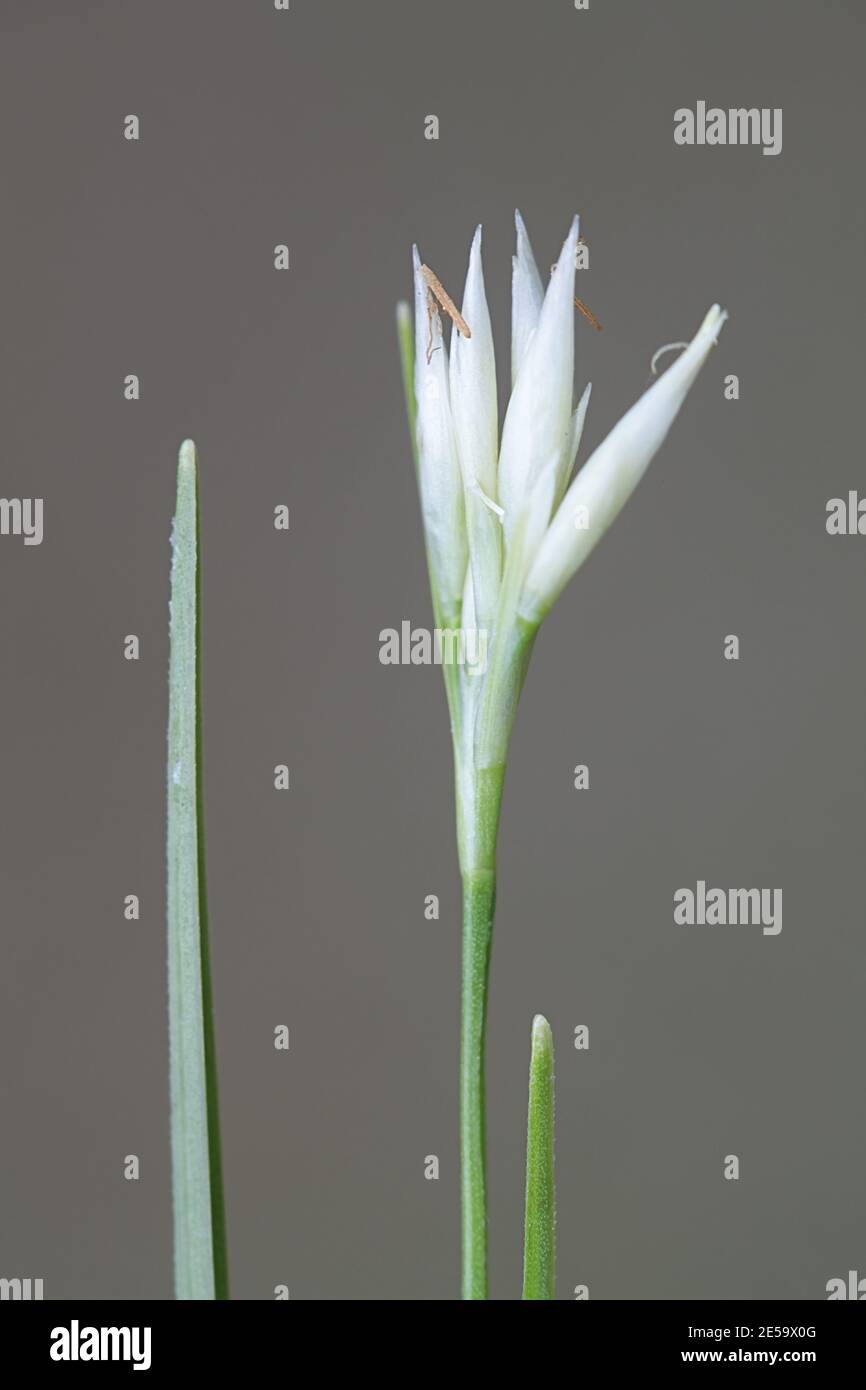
[476,424]
[441,484]
[611,474]
[538,420]
[527,297]
[473,382]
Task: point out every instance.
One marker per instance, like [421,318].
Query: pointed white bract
[527,297]
[476,425]
[538,420]
[611,474]
[473,383]
[506,528]
[441,485]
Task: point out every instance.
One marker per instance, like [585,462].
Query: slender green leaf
[199,1226]
[539,1251]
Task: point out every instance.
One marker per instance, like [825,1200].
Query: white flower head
[505,531]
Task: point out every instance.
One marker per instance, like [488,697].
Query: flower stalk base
[479,823]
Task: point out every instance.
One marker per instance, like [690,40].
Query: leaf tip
[542,1036]
[186,459]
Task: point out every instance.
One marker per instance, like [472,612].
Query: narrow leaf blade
[539,1251]
[199,1231]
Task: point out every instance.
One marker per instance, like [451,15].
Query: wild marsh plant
[506,526]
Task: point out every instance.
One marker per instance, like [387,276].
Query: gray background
[156,258]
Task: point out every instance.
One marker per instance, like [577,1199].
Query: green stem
[479,896]
[479,799]
[539,1250]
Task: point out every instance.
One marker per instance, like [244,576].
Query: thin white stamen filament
[660,352]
